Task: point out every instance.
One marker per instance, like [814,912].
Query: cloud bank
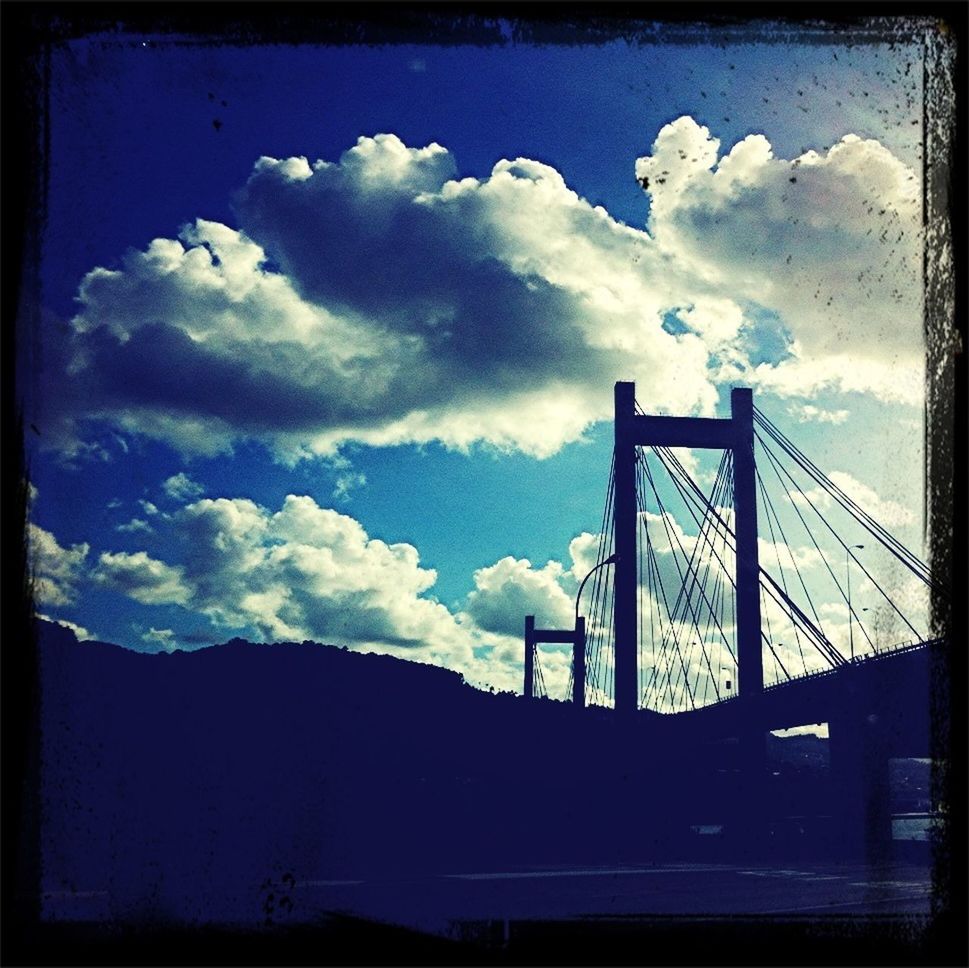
[306,572]
[384,299]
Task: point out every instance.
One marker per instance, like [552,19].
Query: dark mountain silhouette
[179,783]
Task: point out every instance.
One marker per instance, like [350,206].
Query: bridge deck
[892,686]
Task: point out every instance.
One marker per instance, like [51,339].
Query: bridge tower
[735,434]
[575,638]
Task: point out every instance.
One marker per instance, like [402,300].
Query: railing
[886,653]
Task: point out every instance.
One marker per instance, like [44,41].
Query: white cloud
[510,589]
[412,305]
[83,635]
[584,552]
[897,379]
[717,321]
[346,482]
[56,571]
[489,298]
[888,513]
[769,552]
[302,572]
[829,242]
[179,487]
[309,572]
[142,578]
[808,412]
[165,638]
[134,526]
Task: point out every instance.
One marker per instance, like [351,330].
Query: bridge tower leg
[751,815]
[624,518]
[529,687]
[750,653]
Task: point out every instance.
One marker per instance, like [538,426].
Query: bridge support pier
[750,820]
[859,749]
[529,685]
[578,664]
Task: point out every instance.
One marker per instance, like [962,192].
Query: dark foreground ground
[714,913]
[300,805]
[437,903]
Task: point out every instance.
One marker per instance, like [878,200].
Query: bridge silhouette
[718,612]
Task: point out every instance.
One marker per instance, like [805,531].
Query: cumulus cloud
[56,571]
[829,242]
[302,572]
[510,589]
[384,299]
[410,306]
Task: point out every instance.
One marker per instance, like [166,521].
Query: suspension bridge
[727,610]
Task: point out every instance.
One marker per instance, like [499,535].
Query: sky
[329,334]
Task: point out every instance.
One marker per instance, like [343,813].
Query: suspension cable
[825,646]
[700,541]
[770,510]
[671,535]
[704,540]
[881,534]
[837,537]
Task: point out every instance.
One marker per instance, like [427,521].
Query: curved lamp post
[602,564]
[579,626]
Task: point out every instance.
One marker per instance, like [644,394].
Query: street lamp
[851,637]
[608,561]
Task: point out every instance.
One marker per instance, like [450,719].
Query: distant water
[915,827]
[904,827]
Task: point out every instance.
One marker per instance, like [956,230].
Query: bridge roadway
[888,690]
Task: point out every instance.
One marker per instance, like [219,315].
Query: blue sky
[367,401]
